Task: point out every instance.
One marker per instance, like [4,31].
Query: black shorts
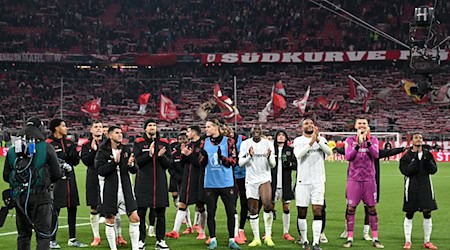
[173,185]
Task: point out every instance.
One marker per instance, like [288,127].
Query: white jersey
[258,167]
[116,153]
[310,160]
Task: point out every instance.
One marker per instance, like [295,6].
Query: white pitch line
[64,217]
[65,226]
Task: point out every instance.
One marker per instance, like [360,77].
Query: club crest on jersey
[214,161]
[288,153]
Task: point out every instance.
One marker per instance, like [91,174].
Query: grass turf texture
[389,212]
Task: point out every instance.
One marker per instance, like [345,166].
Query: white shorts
[279,196]
[306,194]
[121,208]
[252,190]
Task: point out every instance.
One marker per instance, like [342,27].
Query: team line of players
[202,170]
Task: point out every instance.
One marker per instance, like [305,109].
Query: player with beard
[311,150]
[382,154]
[417,165]
[218,158]
[361,151]
[257,156]
[191,188]
[114,161]
[153,156]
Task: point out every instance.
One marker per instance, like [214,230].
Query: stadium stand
[117,27]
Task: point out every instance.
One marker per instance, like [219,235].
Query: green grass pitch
[389,213]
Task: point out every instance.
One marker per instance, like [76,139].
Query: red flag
[167,110]
[301,103]
[279,88]
[143,101]
[352,89]
[279,105]
[278,100]
[92,108]
[329,105]
[229,111]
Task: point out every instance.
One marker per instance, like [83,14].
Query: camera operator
[30,190]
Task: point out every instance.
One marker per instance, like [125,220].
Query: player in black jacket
[65,191]
[153,157]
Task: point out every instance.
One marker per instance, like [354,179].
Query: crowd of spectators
[201,26]
[35,90]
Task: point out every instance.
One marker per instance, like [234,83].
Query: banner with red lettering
[441,156]
[3,151]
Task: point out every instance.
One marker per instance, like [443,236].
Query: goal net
[384,138]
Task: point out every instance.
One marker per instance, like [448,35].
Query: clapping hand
[131,160]
[251,151]
[366,134]
[94,145]
[152,148]
[186,150]
[162,151]
[316,133]
[117,157]
[360,135]
[268,152]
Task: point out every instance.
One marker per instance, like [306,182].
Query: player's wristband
[357,147]
[369,144]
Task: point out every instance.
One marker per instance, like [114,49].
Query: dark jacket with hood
[151,180]
[193,175]
[176,170]
[289,163]
[65,191]
[418,188]
[92,185]
[107,167]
